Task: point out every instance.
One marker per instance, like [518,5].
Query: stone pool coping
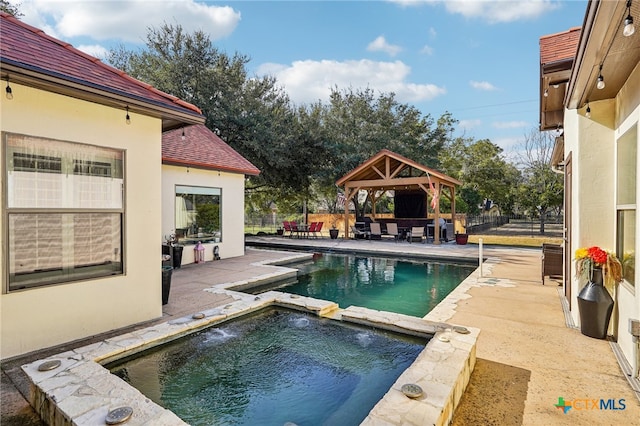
[81,391]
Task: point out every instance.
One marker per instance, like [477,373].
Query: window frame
[628,203]
[217,236]
[78,215]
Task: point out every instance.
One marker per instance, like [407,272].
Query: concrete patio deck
[527,355]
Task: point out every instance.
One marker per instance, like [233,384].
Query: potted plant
[594,301]
[175,250]
[333,232]
[462,238]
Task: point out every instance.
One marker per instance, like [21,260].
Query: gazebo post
[436,220]
[453,209]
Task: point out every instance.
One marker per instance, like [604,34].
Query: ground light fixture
[127,117]
[629,29]
[600,84]
[9,92]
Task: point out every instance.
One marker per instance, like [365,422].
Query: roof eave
[172,162]
[172,117]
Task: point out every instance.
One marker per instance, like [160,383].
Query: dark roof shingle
[31,49]
[201,148]
[560,46]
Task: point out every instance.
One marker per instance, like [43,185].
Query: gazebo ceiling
[387,170]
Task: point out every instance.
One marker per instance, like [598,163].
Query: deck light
[127,117]
[629,29]
[600,84]
[8,90]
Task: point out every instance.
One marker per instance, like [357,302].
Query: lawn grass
[506,240]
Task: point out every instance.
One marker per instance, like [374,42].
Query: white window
[64,209]
[626,203]
[198,214]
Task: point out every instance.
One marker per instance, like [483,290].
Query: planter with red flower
[594,301]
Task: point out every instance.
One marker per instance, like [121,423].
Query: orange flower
[598,255]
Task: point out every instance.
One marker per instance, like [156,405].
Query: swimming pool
[275,367]
[409,287]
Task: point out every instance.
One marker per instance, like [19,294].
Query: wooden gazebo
[390,171]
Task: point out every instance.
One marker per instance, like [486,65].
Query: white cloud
[427,50]
[501,10]
[469,124]
[94,50]
[483,85]
[493,11]
[310,81]
[510,124]
[380,44]
[128,20]
[432,32]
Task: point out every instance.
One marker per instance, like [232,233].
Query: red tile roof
[559,46]
[201,148]
[29,48]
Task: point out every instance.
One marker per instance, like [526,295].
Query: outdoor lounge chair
[416,235]
[392,229]
[358,234]
[375,232]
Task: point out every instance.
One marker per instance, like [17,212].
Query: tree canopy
[302,150]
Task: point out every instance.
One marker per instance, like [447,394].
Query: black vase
[595,305]
[177,256]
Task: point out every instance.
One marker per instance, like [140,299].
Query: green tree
[483,171]
[11,9]
[542,189]
[359,124]
[252,115]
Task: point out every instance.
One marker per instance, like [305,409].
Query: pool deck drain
[81,391]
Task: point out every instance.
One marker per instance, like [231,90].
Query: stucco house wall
[592,142]
[49,315]
[232,203]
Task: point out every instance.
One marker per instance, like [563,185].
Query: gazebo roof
[388,170]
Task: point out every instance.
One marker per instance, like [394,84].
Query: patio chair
[358,234]
[287,228]
[311,229]
[375,233]
[317,230]
[392,229]
[416,235]
[294,228]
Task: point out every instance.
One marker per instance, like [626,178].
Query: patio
[528,356]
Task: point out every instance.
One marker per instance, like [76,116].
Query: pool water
[400,286]
[272,368]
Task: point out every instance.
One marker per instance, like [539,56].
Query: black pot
[177,256]
[333,233]
[595,305]
[166,283]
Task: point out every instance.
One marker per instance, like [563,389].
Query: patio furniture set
[301,230]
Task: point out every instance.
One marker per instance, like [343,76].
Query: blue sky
[477,59]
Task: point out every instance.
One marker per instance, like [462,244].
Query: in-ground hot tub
[79,390]
[274,367]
